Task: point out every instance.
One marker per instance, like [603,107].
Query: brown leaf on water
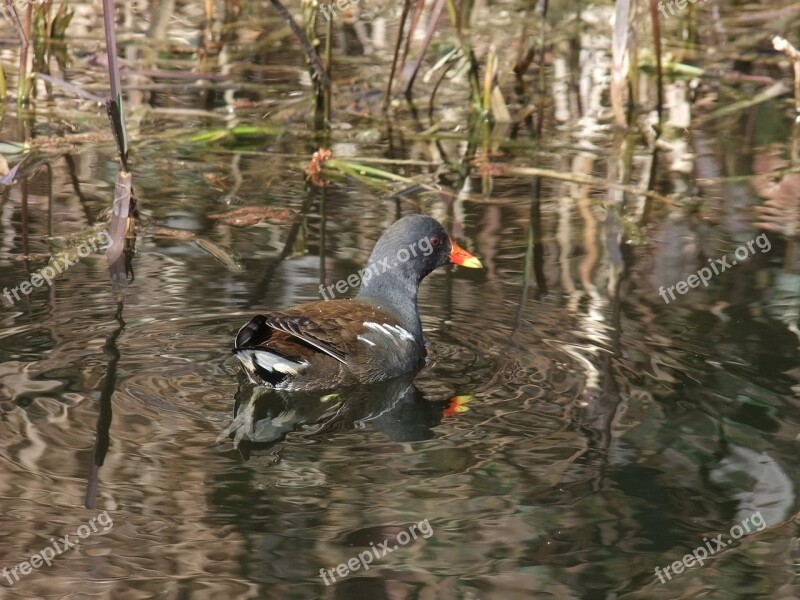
[215,179]
[62,142]
[482,157]
[253,215]
[314,168]
[178,234]
[493,169]
[483,162]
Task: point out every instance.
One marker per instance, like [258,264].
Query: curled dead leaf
[314,168]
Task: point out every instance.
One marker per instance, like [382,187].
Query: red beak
[459,256]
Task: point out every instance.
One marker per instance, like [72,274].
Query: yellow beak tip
[472,263]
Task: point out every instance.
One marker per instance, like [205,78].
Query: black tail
[252,334]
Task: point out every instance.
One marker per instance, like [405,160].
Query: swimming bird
[375,336]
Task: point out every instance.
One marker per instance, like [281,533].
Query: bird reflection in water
[397,408]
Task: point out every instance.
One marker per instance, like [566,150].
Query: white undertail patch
[270,362]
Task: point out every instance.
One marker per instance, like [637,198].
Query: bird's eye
[435,240]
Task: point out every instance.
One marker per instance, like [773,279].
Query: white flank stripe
[402,333]
[393,331]
[365,340]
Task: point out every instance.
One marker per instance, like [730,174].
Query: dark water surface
[572,431]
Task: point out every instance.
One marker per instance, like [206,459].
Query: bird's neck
[396,293]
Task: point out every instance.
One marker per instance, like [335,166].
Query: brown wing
[332,327]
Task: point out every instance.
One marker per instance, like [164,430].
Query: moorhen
[374,337]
